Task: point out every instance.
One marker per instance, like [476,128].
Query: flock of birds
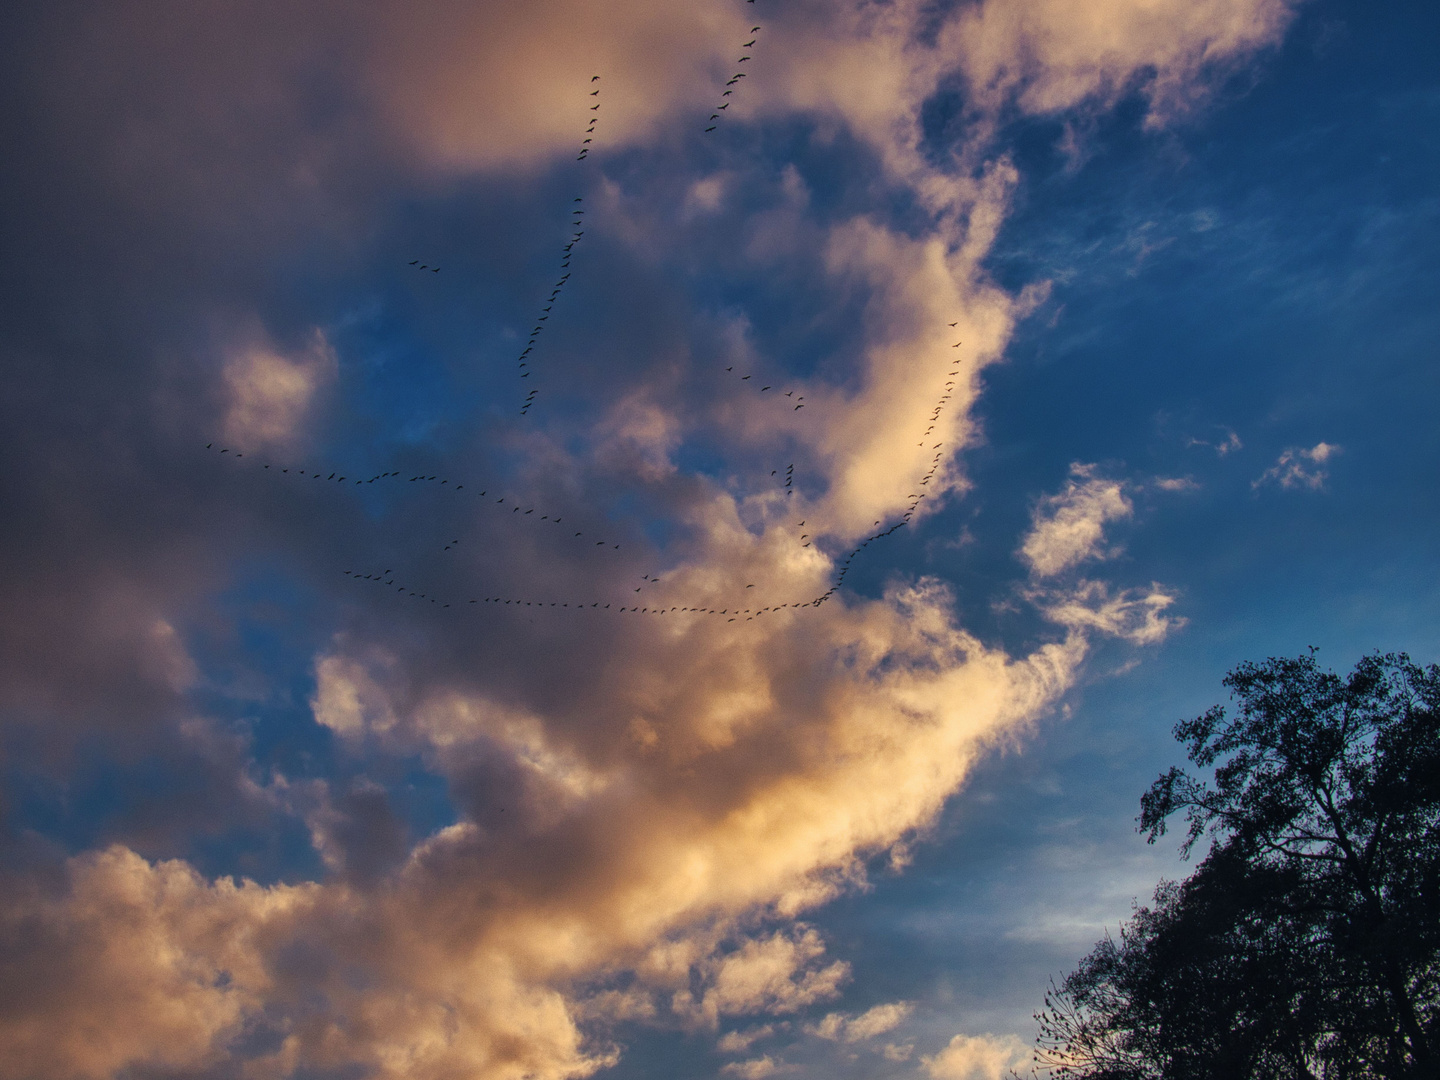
[748,608]
[798,402]
[717,115]
[507,505]
[577,213]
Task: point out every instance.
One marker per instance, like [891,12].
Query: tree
[1306,944]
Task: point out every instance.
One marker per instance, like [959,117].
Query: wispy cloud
[1136,615]
[1297,467]
[1068,528]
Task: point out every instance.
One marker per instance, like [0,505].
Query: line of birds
[422,266]
[577,213]
[789,480]
[731,613]
[799,401]
[516,507]
[717,115]
[939,457]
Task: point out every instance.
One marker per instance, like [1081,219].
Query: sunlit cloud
[1136,615]
[874,1021]
[977,1057]
[270,395]
[646,806]
[754,1069]
[1068,528]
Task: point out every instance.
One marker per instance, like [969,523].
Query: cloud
[469,948]
[755,1069]
[775,975]
[737,1042]
[269,395]
[642,807]
[1228,445]
[1176,483]
[1051,55]
[134,962]
[347,700]
[1136,615]
[875,1021]
[1299,468]
[977,1057]
[1069,527]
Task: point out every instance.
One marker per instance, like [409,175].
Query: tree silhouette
[1306,944]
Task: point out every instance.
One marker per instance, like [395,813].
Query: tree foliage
[1306,944]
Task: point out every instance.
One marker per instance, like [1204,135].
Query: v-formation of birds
[731,612]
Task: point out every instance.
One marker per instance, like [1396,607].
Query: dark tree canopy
[1306,944]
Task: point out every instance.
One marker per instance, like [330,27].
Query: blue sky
[267,813]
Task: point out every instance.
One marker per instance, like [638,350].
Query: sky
[666,539]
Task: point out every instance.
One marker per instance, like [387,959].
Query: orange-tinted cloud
[647,808]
